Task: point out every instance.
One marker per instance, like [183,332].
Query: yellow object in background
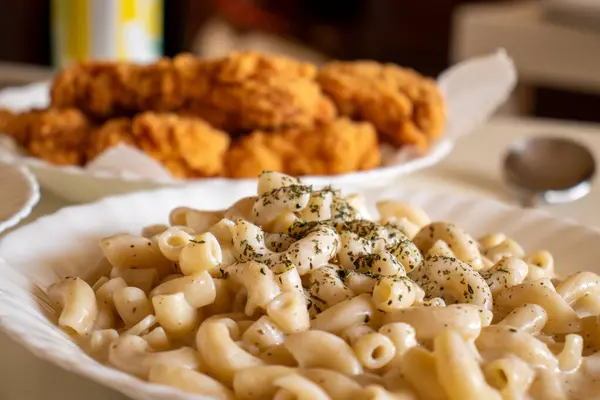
[106,29]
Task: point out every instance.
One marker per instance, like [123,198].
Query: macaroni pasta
[296,294]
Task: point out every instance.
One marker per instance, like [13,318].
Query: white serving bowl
[472,89]
[66,244]
[79,185]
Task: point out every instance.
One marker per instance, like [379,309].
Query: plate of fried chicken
[105,127]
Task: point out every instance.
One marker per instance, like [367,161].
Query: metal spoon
[549,170]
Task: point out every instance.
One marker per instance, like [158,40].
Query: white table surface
[473,167]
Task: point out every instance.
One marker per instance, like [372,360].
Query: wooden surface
[15,74]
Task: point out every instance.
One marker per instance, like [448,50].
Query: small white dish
[66,244]
[19,193]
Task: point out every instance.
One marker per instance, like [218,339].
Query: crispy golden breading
[404,106]
[113,132]
[157,87]
[252,90]
[59,136]
[258,152]
[216,117]
[6,119]
[239,66]
[95,87]
[272,105]
[246,91]
[105,89]
[188,147]
[339,147]
[18,125]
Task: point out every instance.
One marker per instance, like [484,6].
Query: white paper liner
[473,90]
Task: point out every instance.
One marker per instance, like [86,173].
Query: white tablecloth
[473,167]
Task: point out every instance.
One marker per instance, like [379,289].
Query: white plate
[472,89]
[66,244]
[81,185]
[19,193]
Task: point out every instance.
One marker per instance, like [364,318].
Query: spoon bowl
[549,169]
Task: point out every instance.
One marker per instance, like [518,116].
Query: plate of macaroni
[295,291]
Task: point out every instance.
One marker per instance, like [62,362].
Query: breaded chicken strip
[111,133]
[405,107]
[59,136]
[248,90]
[243,65]
[188,147]
[272,105]
[105,89]
[339,147]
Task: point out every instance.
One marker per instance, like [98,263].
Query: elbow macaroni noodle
[295,294]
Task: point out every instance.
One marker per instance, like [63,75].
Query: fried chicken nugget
[239,66]
[188,147]
[58,136]
[270,105]
[342,146]
[242,65]
[250,90]
[106,89]
[96,87]
[405,107]
[6,119]
[111,133]
[157,87]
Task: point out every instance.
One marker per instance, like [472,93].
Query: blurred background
[555,43]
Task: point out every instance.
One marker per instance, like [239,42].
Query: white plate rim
[438,153]
[27,182]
